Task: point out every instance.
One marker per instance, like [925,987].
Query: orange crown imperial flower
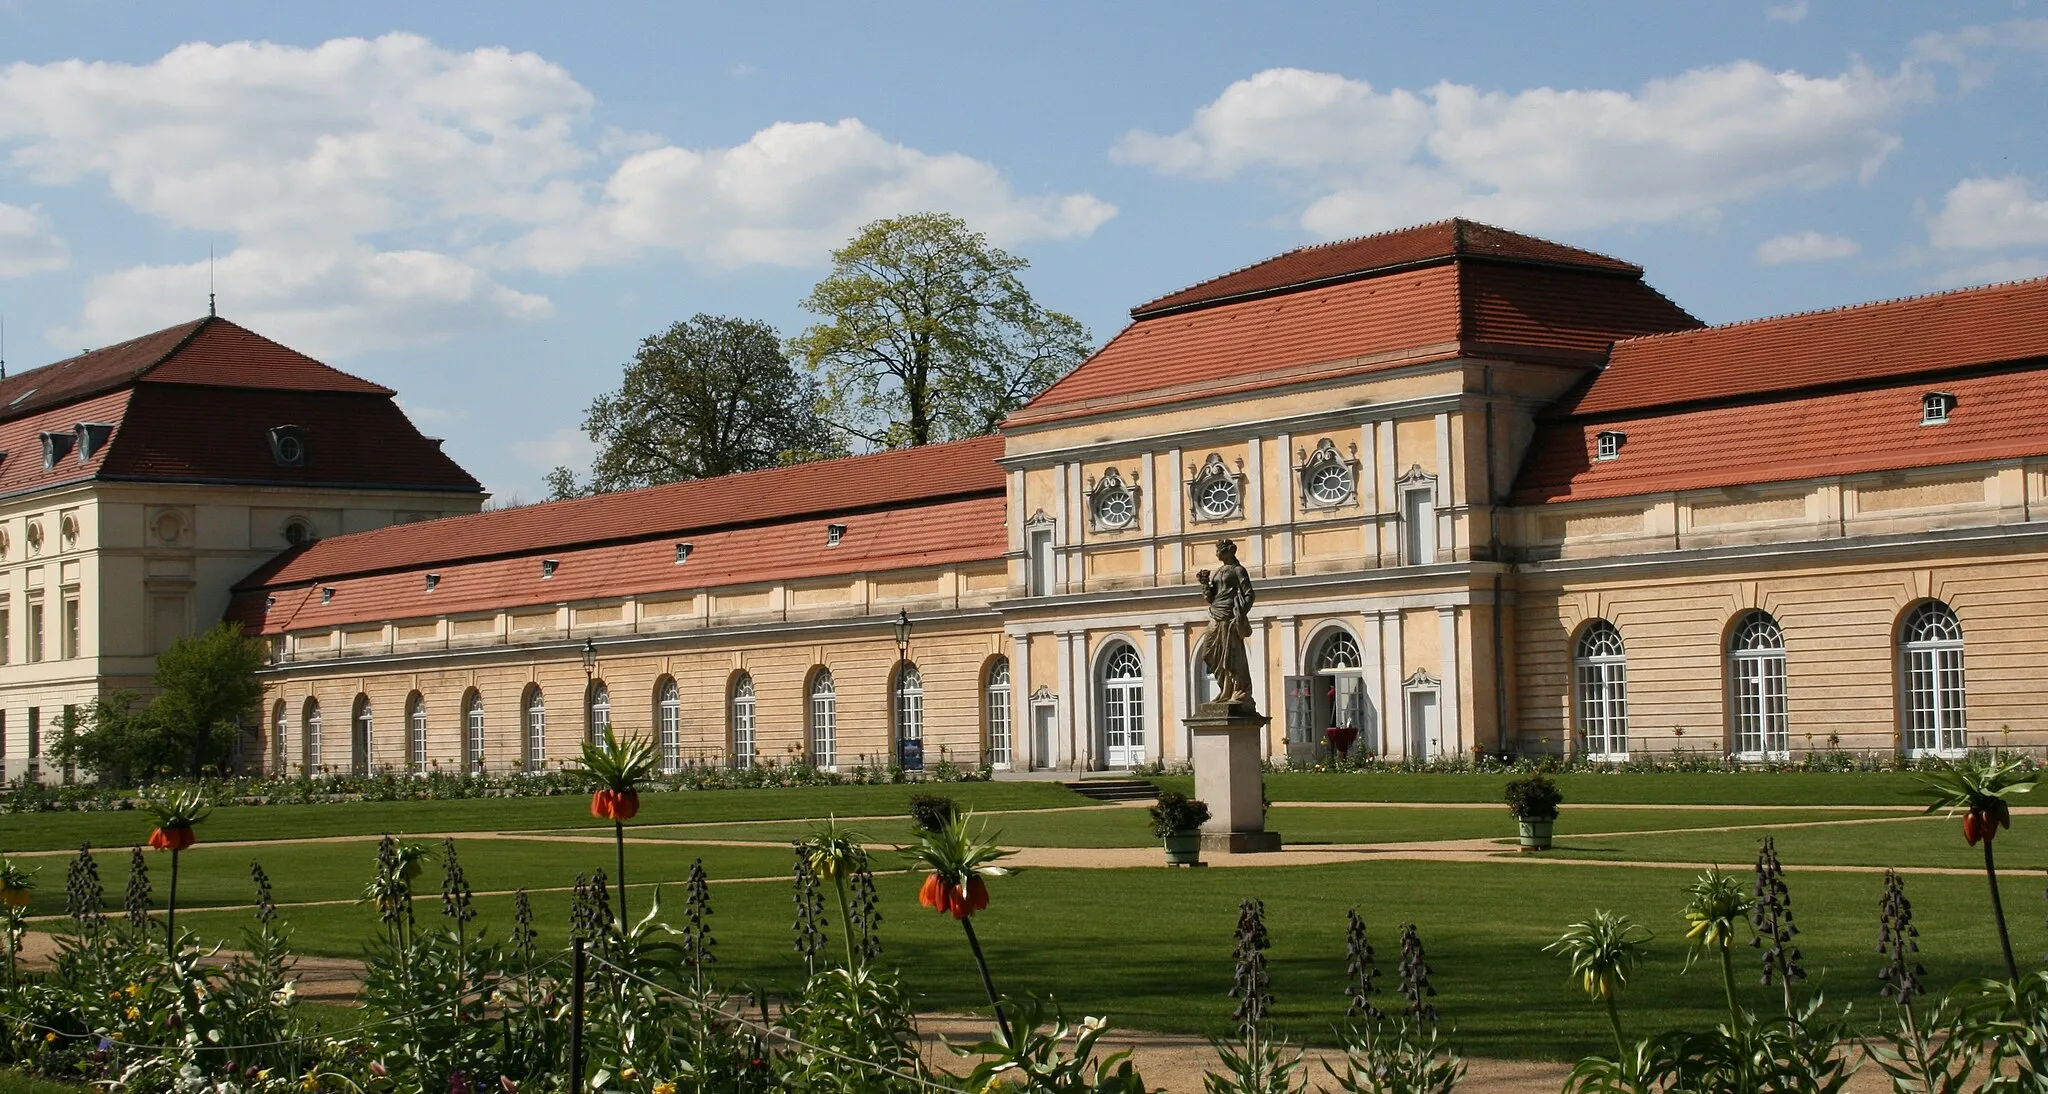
[959,862]
[615,805]
[616,768]
[175,812]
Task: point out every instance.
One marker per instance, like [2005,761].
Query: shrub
[932,812]
[1176,813]
[1535,798]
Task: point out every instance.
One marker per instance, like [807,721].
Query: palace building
[1496,494]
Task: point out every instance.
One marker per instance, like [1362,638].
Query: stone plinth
[1229,777]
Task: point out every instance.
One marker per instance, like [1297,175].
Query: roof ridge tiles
[1835,309]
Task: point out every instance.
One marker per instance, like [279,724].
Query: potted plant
[1177,819]
[1534,802]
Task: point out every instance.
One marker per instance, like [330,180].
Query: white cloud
[1807,246]
[1985,213]
[1794,12]
[328,303]
[28,242]
[788,195]
[1992,270]
[376,190]
[562,448]
[1361,159]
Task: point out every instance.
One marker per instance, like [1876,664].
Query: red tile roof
[210,351]
[1367,255]
[1997,417]
[857,484]
[1891,338]
[1400,317]
[904,537]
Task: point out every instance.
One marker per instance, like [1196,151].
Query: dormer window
[326,594]
[834,533]
[55,447]
[683,553]
[433,582]
[1112,503]
[288,445]
[269,602]
[548,566]
[90,437]
[1609,443]
[1215,492]
[1935,407]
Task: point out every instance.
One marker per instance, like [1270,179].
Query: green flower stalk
[1715,908]
[175,812]
[1603,950]
[617,768]
[1979,788]
[959,861]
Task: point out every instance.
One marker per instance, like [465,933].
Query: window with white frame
[309,741]
[416,733]
[1757,674]
[996,702]
[1339,706]
[743,721]
[668,723]
[1112,503]
[1418,523]
[1601,665]
[1328,478]
[1931,664]
[536,730]
[1216,492]
[1038,549]
[1935,407]
[597,712]
[824,722]
[473,733]
[1608,444]
[279,731]
[1123,707]
[359,743]
[909,708]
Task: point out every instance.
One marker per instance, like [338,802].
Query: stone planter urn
[1533,803]
[1536,834]
[1184,848]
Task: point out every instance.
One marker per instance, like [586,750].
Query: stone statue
[1229,592]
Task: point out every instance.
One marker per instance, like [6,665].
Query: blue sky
[487,206]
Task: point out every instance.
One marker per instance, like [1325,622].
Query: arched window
[743,753]
[995,693]
[1337,697]
[597,711]
[1756,652]
[473,732]
[278,728]
[536,729]
[1123,707]
[359,740]
[909,717]
[416,733]
[1601,666]
[824,722]
[668,720]
[309,741]
[1931,663]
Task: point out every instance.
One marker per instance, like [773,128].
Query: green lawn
[60,831]
[1151,948]
[1597,788]
[14,1082]
[1919,841]
[1298,824]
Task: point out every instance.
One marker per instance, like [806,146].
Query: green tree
[710,395]
[928,334]
[206,690]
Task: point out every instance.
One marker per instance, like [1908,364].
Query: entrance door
[1123,710]
[1042,717]
[1425,728]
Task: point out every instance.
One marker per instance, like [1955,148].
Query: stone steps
[1115,790]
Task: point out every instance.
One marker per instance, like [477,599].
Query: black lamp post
[589,658]
[903,635]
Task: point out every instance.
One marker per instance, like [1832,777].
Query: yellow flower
[49,1037]
[629,1074]
[133,990]
[134,1013]
[664,1087]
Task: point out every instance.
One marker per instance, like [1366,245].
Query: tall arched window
[597,711]
[278,728]
[909,719]
[416,733]
[1601,666]
[1123,707]
[309,741]
[743,721]
[824,722]
[359,740]
[668,721]
[995,692]
[473,732]
[1337,696]
[1756,652]
[536,729]
[1931,663]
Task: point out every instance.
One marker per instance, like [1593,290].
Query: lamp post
[903,635]
[589,659]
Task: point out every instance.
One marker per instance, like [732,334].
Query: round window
[1115,508]
[1218,498]
[1330,484]
[169,526]
[291,451]
[297,532]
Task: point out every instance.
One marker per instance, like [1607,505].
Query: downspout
[1500,674]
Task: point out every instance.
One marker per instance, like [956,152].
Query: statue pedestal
[1230,779]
